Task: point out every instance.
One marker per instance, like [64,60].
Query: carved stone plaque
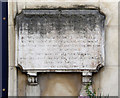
[60,40]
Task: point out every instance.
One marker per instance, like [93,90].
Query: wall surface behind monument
[66,84]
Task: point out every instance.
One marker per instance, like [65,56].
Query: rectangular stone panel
[60,39]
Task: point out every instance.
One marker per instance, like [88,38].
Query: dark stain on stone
[44,20]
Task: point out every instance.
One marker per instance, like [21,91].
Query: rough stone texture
[60,39]
[104,81]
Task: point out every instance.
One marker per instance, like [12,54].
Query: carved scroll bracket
[32,78]
[86,80]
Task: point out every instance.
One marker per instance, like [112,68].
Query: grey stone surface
[108,79]
[60,39]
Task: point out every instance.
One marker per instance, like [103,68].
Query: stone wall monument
[60,40]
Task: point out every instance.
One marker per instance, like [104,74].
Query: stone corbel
[86,80]
[32,78]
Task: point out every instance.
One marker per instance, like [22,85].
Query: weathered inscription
[67,39]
